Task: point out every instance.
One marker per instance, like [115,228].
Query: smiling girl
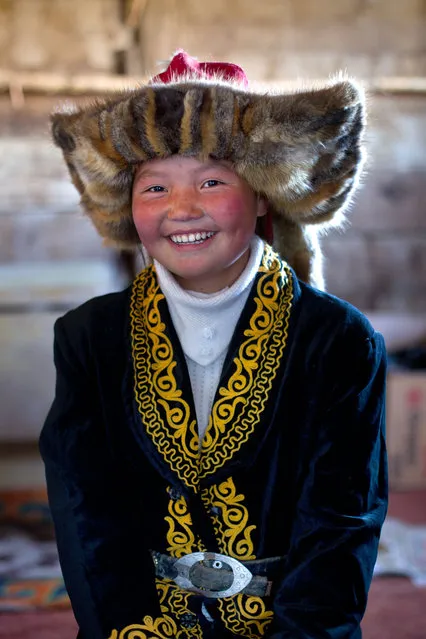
[196,219]
[215,453]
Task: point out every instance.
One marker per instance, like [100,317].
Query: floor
[397,609]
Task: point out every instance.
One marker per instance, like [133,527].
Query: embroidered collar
[240,401]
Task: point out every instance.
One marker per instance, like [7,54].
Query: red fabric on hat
[183,64]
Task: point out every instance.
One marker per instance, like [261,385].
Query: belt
[214,575]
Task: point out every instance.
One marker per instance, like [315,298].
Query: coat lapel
[161,382]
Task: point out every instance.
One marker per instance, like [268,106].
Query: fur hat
[301,151]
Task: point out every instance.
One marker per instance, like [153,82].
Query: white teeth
[191,238]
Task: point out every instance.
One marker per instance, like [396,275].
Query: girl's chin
[191,274]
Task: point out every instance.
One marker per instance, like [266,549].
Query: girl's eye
[210,183]
[155,189]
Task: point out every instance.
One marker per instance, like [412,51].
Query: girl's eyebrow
[151,173]
[212,167]
[212,163]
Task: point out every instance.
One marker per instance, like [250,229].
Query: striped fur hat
[301,151]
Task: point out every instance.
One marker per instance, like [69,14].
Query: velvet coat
[293,463]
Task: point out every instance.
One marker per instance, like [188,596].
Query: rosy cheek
[144,221]
[231,208]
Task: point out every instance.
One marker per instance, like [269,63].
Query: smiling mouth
[192,238]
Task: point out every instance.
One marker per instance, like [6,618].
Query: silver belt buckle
[186,567]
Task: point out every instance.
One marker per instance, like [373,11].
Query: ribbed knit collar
[205,323]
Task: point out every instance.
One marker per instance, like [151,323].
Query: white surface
[402,551]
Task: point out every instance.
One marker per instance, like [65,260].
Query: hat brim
[302,151]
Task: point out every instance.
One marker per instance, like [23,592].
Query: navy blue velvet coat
[293,463]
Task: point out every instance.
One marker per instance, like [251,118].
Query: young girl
[215,454]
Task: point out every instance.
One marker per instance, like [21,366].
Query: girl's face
[196,218]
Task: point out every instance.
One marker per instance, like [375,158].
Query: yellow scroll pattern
[173,430]
[173,604]
[180,536]
[232,529]
[240,404]
[159,628]
[165,413]
[244,615]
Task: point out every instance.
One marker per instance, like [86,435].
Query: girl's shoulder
[103,316]
[328,312]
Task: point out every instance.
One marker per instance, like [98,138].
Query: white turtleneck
[205,324]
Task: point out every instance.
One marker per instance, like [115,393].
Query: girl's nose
[183,206]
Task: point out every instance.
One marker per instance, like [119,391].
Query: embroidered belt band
[214,575]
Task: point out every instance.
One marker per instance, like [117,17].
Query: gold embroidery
[167,590]
[232,532]
[245,616]
[236,413]
[175,601]
[173,604]
[155,383]
[180,536]
[159,628]
[239,408]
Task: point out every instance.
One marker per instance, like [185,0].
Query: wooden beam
[63,83]
[17,84]
[399,85]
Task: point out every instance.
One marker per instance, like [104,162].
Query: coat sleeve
[99,538]
[342,504]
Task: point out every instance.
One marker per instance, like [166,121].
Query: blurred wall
[273,39]
[51,258]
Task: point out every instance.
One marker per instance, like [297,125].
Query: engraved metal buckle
[186,567]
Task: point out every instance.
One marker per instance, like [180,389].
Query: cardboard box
[406,429]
